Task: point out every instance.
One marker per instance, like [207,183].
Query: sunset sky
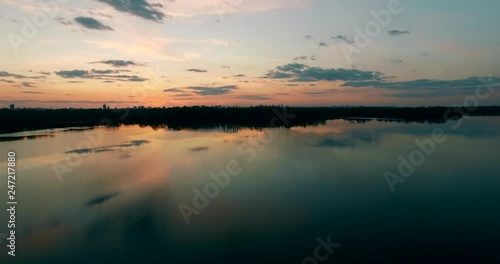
[124,53]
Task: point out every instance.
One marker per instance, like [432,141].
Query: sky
[125,53]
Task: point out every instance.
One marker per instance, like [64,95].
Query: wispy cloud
[204,90]
[139,8]
[105,71]
[6,81]
[63,21]
[99,75]
[7,74]
[196,70]
[119,63]
[91,23]
[73,74]
[201,90]
[302,73]
[254,97]
[27,84]
[344,38]
[395,33]
[174,90]
[423,84]
[18,76]
[23,101]
[300,58]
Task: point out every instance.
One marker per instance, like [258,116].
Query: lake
[358,191]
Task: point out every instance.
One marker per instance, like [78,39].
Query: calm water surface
[113,195]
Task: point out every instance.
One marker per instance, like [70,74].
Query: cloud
[201,90]
[427,87]
[323,44]
[99,103]
[182,95]
[63,21]
[344,38]
[99,75]
[278,75]
[239,75]
[139,8]
[395,33]
[73,74]
[302,73]
[27,84]
[7,81]
[196,70]
[91,12]
[134,78]
[315,93]
[32,92]
[254,97]
[204,90]
[119,63]
[292,67]
[91,23]
[18,76]
[300,58]
[104,71]
[396,61]
[308,37]
[44,73]
[6,74]
[173,90]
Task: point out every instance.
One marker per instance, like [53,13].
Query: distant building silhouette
[104,107]
[12,107]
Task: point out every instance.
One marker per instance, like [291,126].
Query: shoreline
[231,118]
